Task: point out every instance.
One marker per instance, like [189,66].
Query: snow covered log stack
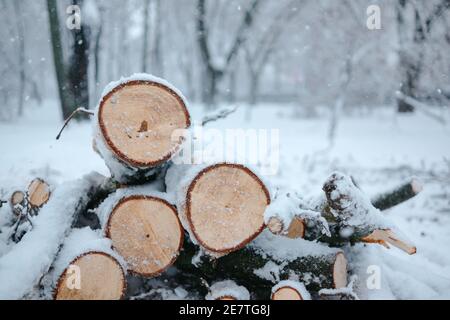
[215,223]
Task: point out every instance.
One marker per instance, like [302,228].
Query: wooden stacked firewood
[216,223]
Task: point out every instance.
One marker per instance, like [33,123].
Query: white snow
[287,205]
[285,249]
[356,207]
[228,288]
[25,263]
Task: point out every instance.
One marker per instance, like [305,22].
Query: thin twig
[221,114]
[77,111]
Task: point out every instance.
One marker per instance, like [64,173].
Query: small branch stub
[18,202]
[38,193]
[92,276]
[146,232]
[296,230]
[388,237]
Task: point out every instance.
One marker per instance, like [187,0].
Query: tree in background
[72,77]
[214,71]
[414,28]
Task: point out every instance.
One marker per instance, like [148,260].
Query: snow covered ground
[377,147]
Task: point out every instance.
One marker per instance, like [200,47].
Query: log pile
[214,223]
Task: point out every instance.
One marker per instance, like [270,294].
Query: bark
[145,36]
[78,68]
[65,96]
[240,266]
[397,196]
[21,54]
[412,51]
[213,73]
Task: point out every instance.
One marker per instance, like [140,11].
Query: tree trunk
[411,54]
[65,96]
[145,36]
[157,57]
[21,55]
[79,65]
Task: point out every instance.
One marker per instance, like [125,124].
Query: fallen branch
[397,196]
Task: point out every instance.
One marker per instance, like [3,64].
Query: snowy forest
[224,149]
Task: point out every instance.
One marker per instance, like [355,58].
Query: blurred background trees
[302,52]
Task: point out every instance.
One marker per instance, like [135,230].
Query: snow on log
[290,290]
[227,290]
[343,293]
[23,266]
[144,229]
[397,196]
[357,220]
[38,193]
[87,269]
[135,123]
[221,206]
[268,260]
[18,202]
[289,215]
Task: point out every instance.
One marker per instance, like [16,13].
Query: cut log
[398,195]
[38,193]
[222,206]
[286,293]
[146,232]
[290,290]
[17,198]
[137,120]
[18,202]
[317,272]
[92,276]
